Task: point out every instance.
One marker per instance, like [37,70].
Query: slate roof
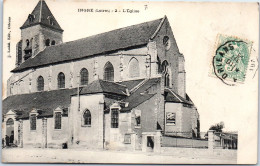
[101,86]
[42,15]
[171,96]
[45,101]
[131,84]
[123,38]
[140,95]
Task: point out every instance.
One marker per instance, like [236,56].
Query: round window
[166,42]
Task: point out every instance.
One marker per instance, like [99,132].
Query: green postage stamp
[231,59]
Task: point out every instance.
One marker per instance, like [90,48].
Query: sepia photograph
[130,82]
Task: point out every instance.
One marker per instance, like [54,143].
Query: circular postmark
[230,62]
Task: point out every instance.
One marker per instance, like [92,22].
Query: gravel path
[90,156]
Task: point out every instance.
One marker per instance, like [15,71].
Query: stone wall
[55,137]
[90,136]
[37,35]
[26,81]
[170,55]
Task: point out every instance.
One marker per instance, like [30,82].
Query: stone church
[121,89]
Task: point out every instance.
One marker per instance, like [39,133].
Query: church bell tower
[40,30]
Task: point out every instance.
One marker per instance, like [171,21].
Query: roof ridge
[174,94]
[133,36]
[100,85]
[114,83]
[95,35]
[139,85]
[40,18]
[158,28]
[40,92]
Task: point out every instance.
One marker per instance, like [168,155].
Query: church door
[10,129]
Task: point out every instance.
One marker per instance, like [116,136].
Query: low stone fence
[158,142]
[169,141]
[198,152]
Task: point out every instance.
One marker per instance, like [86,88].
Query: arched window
[166,73]
[10,121]
[84,76]
[57,117]
[164,66]
[53,42]
[40,83]
[109,72]
[33,121]
[47,42]
[134,68]
[159,65]
[61,80]
[114,117]
[87,118]
[166,80]
[27,43]
[31,42]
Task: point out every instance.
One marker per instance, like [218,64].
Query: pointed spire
[42,15]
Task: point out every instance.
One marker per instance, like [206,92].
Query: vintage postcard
[130,82]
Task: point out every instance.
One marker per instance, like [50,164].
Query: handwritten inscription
[9,38]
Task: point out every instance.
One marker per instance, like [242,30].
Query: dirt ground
[94,156]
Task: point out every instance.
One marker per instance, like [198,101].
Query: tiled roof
[140,95]
[131,84]
[42,15]
[45,101]
[101,86]
[123,38]
[171,96]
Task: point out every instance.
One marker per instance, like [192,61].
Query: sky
[195,27]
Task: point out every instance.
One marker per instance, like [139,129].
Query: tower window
[87,118]
[31,18]
[27,43]
[40,83]
[61,80]
[53,42]
[47,42]
[52,21]
[84,76]
[28,49]
[109,72]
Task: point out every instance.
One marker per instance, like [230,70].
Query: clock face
[166,42]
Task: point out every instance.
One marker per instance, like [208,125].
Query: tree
[217,127]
